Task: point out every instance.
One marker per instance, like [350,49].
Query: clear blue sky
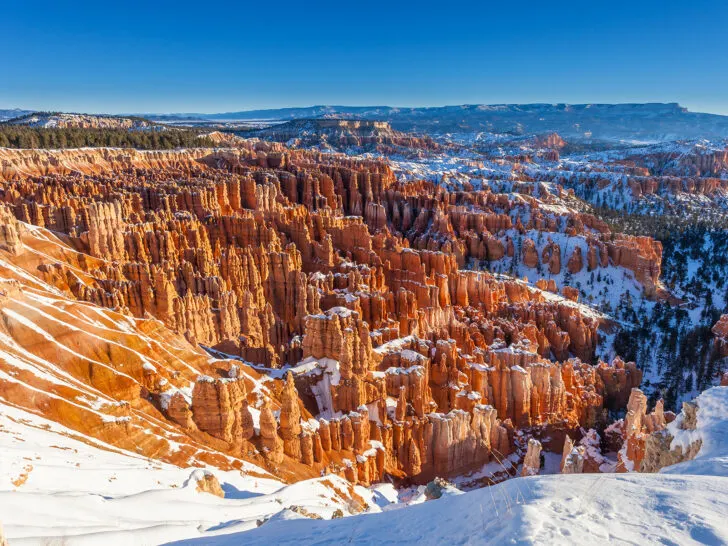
[181,56]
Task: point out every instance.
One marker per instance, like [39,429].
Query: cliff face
[402,363]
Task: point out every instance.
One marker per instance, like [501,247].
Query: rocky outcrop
[576,262]
[638,426]
[344,134]
[10,231]
[532,460]
[641,255]
[530,253]
[660,450]
[82,121]
[207,482]
[620,380]
[271,442]
[216,409]
[720,333]
[572,458]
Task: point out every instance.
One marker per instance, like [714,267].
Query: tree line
[13,136]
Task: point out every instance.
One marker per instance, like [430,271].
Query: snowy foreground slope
[55,488]
[687,504]
[583,509]
[60,490]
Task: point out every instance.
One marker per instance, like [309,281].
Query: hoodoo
[400,362]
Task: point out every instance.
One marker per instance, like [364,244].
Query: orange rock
[323,262]
[575,263]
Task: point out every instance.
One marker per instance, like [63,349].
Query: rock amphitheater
[305,312]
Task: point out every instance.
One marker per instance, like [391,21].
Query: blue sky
[222,56]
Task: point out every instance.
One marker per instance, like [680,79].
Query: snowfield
[55,489]
[575,509]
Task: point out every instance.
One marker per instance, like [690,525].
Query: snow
[328,369]
[562,509]
[394,345]
[712,429]
[57,488]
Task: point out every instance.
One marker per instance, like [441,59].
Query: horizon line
[331,105]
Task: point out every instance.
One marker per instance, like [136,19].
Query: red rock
[281,256]
[638,425]
[720,331]
[530,253]
[575,263]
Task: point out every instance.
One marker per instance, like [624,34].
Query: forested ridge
[674,343]
[14,136]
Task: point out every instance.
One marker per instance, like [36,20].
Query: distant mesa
[342,134]
[638,121]
[631,122]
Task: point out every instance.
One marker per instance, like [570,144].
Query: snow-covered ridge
[60,120]
[55,487]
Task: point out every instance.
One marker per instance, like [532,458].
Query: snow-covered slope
[686,504]
[56,488]
[584,509]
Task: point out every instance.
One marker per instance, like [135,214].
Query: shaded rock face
[620,379]
[643,441]
[403,363]
[572,459]
[642,255]
[532,461]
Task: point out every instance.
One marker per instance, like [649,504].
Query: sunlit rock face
[349,334]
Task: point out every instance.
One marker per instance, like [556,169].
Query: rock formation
[659,451]
[399,361]
[720,331]
[207,482]
[532,460]
[638,425]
